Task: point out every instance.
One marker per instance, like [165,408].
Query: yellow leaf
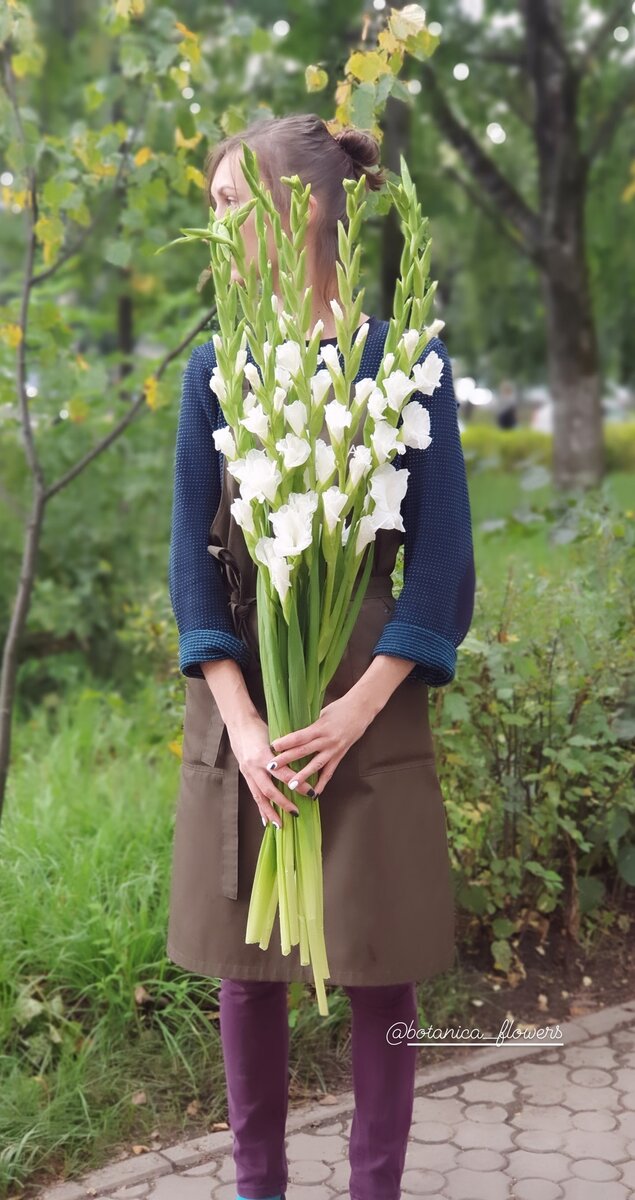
[77,410]
[150,390]
[408,22]
[316,78]
[184,30]
[11,335]
[387,41]
[144,284]
[142,156]
[367,67]
[81,362]
[195,175]
[188,143]
[176,748]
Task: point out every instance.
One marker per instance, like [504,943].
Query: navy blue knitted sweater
[433,612]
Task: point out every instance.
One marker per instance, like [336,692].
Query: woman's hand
[339,724]
[249,739]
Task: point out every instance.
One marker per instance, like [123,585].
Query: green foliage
[487,446]
[537,737]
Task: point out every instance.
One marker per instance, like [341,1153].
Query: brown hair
[301,144]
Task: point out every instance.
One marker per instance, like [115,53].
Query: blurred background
[516,121]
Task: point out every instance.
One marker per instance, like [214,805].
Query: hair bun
[363,150]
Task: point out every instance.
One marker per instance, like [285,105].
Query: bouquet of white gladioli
[309,506]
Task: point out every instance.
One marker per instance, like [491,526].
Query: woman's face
[230,190]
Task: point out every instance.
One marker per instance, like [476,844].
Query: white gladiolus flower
[288,357]
[320,384]
[292,523]
[338,418]
[259,476]
[330,356]
[294,450]
[362,390]
[377,404]
[435,328]
[389,362]
[317,328]
[336,310]
[243,514]
[295,415]
[252,374]
[346,529]
[217,384]
[397,388]
[385,438]
[415,427]
[388,487]
[224,441]
[365,534]
[325,461]
[359,463]
[274,302]
[333,501]
[266,553]
[408,341]
[256,421]
[283,377]
[241,360]
[427,374]
[249,402]
[279,398]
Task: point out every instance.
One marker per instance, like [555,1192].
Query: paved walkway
[506,1123]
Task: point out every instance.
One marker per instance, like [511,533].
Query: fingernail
[272,766]
[294,812]
[312,793]
[263,819]
[276,826]
[293,783]
[272,748]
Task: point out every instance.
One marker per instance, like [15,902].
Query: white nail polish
[276,826]
[293,783]
[263,819]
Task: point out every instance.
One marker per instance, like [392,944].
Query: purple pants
[254,1031]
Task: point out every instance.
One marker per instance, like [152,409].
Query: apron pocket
[216,740]
[400,735]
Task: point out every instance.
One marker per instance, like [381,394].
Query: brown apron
[388,893]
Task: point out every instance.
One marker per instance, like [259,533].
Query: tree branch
[619,11]
[493,215]
[503,194]
[128,416]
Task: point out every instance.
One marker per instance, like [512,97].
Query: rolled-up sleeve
[197,589]
[434,610]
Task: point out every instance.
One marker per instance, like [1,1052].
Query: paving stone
[580,1189]
[628,1101]
[594,1122]
[308,1171]
[127,1193]
[431,1131]
[578,1098]
[539,1116]
[491,1137]
[185,1188]
[478,1159]
[430,1109]
[485,1114]
[448,1091]
[437,1156]
[491,1090]
[476,1185]
[609,1146]
[302,1146]
[591,1077]
[594,1169]
[422,1183]
[64,1191]
[524,1164]
[590,1056]
[539,1140]
[537,1189]
[625,1079]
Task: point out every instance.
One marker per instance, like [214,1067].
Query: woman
[388,903]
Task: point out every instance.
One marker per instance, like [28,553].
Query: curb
[145,1167]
